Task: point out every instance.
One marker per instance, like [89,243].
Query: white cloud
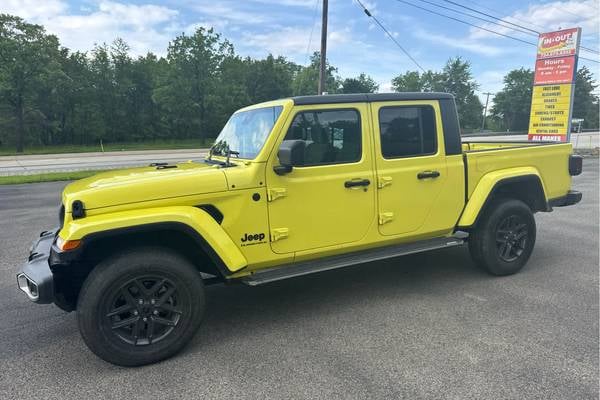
[32,9]
[292,42]
[144,27]
[548,17]
[471,45]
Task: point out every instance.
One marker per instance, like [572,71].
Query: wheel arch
[527,187]
[192,232]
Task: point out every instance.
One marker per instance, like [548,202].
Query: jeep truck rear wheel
[140,307]
[503,238]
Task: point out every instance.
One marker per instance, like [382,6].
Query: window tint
[331,136]
[407,131]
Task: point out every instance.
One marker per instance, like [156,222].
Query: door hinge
[276,193]
[279,233]
[384,181]
[385,217]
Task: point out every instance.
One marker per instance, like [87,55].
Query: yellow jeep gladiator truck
[290,187]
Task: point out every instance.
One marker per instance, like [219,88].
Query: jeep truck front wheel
[503,238]
[140,307]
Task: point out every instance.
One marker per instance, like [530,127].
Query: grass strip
[46,177]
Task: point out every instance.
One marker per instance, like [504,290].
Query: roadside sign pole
[322,72]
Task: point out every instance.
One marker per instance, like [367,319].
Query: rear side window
[329,136]
[407,131]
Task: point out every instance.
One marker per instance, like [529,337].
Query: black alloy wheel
[511,238]
[144,310]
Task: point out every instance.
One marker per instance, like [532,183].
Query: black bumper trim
[35,277]
[572,197]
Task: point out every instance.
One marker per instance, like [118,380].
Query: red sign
[551,71]
[558,44]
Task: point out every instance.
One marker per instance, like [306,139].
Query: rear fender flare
[491,183]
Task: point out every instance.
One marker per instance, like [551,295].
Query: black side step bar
[345,260]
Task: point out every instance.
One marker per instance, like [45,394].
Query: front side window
[246,131]
[407,131]
[328,136]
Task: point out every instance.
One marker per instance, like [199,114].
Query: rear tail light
[575,164]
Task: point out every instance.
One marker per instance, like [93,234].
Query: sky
[291,28]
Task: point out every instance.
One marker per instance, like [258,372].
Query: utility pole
[322,72]
[487,98]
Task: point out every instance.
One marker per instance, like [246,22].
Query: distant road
[586,140]
[43,163]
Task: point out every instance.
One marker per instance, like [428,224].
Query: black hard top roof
[369,97]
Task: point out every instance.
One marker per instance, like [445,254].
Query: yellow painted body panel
[316,209]
[551,162]
[272,220]
[193,217]
[484,188]
[416,207]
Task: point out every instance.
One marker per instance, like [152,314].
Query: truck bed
[549,159]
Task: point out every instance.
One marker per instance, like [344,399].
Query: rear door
[410,166]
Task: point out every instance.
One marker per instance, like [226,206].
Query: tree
[27,58]
[513,103]
[456,78]
[269,79]
[306,81]
[585,103]
[185,91]
[408,82]
[361,84]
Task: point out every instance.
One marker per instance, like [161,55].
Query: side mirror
[290,154]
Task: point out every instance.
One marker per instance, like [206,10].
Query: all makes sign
[554,81]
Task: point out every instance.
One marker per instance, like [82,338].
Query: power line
[521,20]
[490,16]
[465,22]
[513,17]
[476,17]
[480,27]
[368,13]
[500,12]
[508,22]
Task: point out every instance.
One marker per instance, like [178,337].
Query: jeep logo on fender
[257,238]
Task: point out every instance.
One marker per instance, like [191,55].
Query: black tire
[141,306]
[504,237]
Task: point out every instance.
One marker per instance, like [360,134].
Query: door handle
[355,183]
[428,174]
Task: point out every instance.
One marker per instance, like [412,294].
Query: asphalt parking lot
[423,326]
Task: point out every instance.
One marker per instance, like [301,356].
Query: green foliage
[512,104]
[306,81]
[585,103]
[361,84]
[455,78]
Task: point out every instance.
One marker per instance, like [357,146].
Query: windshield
[246,132]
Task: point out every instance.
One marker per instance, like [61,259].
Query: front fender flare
[196,219]
[485,189]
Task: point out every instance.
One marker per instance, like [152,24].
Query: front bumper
[35,278]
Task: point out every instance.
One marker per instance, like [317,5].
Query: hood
[136,185]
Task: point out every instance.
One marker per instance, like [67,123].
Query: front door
[329,198]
